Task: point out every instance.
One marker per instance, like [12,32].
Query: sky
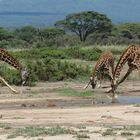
[117,10]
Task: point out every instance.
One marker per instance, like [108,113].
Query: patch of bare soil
[43,106]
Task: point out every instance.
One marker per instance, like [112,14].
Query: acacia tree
[85,23]
[47,33]
[129,30]
[26,33]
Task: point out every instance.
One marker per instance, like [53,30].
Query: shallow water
[122,99]
[128,99]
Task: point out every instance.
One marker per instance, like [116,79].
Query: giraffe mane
[12,58]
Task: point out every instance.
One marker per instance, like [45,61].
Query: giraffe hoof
[109,90]
[16,92]
[114,99]
[99,86]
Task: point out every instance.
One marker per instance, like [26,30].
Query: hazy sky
[116,10]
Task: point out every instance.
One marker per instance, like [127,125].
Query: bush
[86,54]
[40,53]
[59,53]
[55,70]
[10,75]
[45,70]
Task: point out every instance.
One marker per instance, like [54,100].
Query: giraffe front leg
[114,95]
[4,81]
[98,84]
[109,90]
[130,69]
[114,98]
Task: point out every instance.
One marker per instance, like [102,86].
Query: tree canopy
[5,35]
[50,32]
[85,23]
[26,33]
[129,30]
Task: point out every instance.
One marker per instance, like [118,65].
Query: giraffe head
[92,82]
[24,75]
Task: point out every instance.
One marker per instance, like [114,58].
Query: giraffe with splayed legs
[6,57]
[103,66]
[132,56]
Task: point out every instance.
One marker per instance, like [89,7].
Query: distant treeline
[85,28]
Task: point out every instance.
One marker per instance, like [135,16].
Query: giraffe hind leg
[99,83]
[4,81]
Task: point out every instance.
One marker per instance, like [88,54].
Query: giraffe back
[105,61]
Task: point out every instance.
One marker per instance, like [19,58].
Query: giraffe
[6,57]
[132,56]
[104,64]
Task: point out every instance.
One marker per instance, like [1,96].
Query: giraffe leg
[126,75]
[3,80]
[100,79]
[88,83]
[122,80]
[114,99]
[109,76]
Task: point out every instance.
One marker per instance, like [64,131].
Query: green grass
[109,132]
[73,92]
[132,127]
[31,131]
[40,139]
[83,136]
[126,134]
[115,49]
[130,139]
[5,125]
[127,128]
[137,105]
[125,131]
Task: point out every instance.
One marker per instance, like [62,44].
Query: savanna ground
[64,111]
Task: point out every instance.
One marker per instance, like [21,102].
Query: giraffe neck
[96,70]
[6,57]
[126,56]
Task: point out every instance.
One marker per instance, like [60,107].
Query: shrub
[59,53]
[86,54]
[40,53]
[55,70]
[45,70]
